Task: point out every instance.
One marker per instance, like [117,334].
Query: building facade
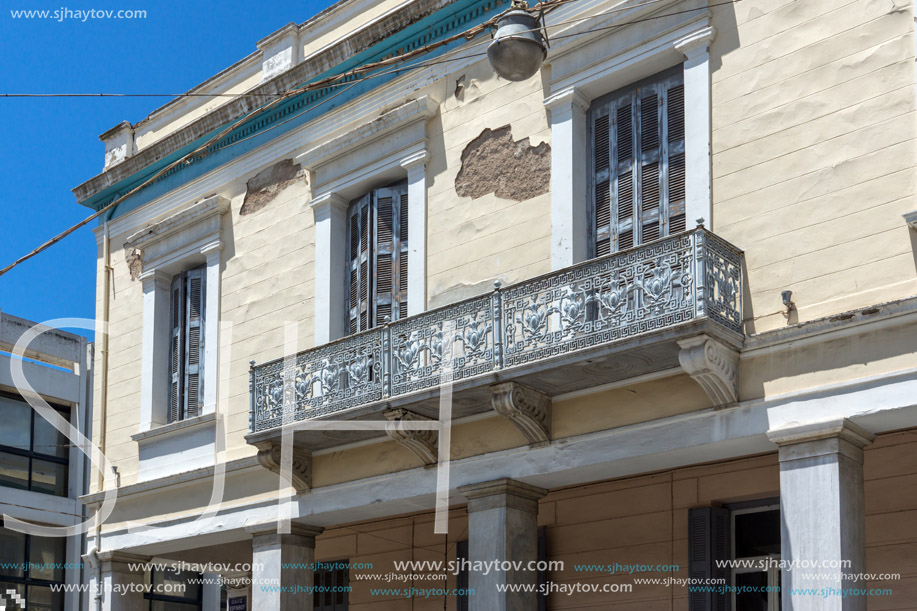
[653,307]
[42,471]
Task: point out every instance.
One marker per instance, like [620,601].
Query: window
[637,187]
[173,590]
[33,454]
[29,566]
[378,258]
[331,587]
[186,347]
[756,536]
[745,531]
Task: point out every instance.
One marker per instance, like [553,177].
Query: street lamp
[518,48]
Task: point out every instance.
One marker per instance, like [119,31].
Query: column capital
[155,277]
[212,249]
[504,492]
[696,42]
[324,203]
[566,100]
[840,428]
[118,561]
[267,533]
[415,160]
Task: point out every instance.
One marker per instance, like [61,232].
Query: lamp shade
[518,49]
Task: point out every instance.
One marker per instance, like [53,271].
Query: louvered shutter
[638,169]
[708,543]
[402,295]
[359,237]
[384,255]
[176,348]
[194,341]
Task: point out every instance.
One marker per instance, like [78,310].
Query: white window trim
[183,240]
[579,81]
[388,148]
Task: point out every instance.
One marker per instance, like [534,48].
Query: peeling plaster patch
[264,186]
[493,163]
[134,258]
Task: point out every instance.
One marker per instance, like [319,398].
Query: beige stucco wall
[813,117]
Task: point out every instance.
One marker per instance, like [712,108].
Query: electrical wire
[359,75]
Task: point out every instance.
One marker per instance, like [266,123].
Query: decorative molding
[713,365]
[423,108]
[195,213]
[422,443]
[415,160]
[269,456]
[841,428]
[696,40]
[567,98]
[324,203]
[911,219]
[178,425]
[528,409]
[480,496]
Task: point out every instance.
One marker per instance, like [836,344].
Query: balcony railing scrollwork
[657,285]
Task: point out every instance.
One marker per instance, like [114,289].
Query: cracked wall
[494,163]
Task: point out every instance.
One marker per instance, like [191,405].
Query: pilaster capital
[155,278]
[696,42]
[504,492]
[415,161]
[325,203]
[566,100]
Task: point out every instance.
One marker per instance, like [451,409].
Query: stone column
[330,210]
[502,526]
[117,574]
[569,168]
[822,510]
[274,558]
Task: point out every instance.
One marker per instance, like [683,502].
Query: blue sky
[49,146]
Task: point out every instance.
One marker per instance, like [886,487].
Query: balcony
[672,302]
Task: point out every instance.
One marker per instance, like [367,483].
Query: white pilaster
[273,558]
[698,152]
[416,166]
[502,526]
[569,172]
[121,588]
[330,210]
[213,253]
[155,349]
[823,514]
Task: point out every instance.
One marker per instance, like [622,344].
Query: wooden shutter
[385,255]
[402,296]
[638,172]
[194,341]
[358,244]
[176,348]
[708,542]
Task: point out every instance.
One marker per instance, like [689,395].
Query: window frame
[399,274]
[613,101]
[27,581]
[65,412]
[150,596]
[183,411]
[773,572]
[340,577]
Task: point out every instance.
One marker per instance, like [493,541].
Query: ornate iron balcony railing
[660,284]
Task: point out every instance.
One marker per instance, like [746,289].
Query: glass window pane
[751,601]
[175,584]
[47,440]
[49,477]
[42,598]
[18,588]
[757,534]
[14,471]
[44,554]
[15,423]
[12,552]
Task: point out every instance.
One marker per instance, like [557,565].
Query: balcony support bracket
[713,365]
[528,409]
[270,457]
[423,443]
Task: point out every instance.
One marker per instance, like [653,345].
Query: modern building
[42,472]
[655,304]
